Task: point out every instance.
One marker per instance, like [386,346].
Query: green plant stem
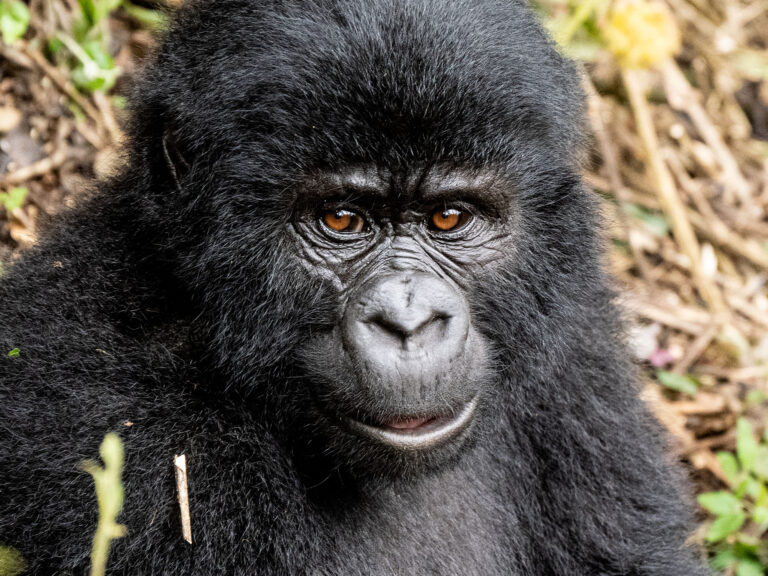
[578,18]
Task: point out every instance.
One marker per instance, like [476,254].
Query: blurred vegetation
[741,511]
[14,19]
[677,94]
[11,562]
[678,100]
[110,495]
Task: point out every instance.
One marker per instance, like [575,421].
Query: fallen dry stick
[696,349]
[669,318]
[34,170]
[182,488]
[715,231]
[668,197]
[683,98]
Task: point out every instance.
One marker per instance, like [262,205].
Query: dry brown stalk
[716,232]
[696,349]
[667,192]
[610,159]
[35,170]
[683,98]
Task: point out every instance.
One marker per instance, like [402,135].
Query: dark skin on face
[403,252]
[461,220]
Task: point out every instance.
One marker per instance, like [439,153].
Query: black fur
[180,307]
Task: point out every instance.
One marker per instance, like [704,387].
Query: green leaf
[104,7]
[153,19]
[761,462]
[14,353]
[14,20]
[98,54]
[97,10]
[746,445]
[55,45]
[745,545]
[762,496]
[724,526]
[654,223]
[760,516]
[748,567]
[754,487]
[730,466]
[97,70]
[749,486]
[678,382]
[89,10]
[81,28]
[723,560]
[13,199]
[756,397]
[720,503]
[11,562]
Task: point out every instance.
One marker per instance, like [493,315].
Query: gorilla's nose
[404,309]
[408,314]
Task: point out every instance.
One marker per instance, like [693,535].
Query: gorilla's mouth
[418,433]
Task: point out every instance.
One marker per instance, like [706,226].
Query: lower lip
[430,433]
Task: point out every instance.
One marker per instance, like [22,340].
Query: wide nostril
[405,325]
[416,313]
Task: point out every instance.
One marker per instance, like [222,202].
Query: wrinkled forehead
[418,184]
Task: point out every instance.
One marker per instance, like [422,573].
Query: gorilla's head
[375,208]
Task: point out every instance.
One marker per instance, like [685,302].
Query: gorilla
[350,271]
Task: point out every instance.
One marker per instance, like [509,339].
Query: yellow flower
[641,33]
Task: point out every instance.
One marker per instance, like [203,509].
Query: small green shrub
[738,532]
[14,20]
[13,199]
[110,494]
[85,48]
[11,562]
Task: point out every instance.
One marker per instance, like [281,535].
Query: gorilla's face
[404,368]
[371,227]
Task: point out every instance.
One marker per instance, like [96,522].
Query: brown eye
[449,219]
[344,221]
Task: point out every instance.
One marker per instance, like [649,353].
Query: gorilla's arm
[601,472]
[102,349]
[72,307]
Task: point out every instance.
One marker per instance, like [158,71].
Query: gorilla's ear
[177,164]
